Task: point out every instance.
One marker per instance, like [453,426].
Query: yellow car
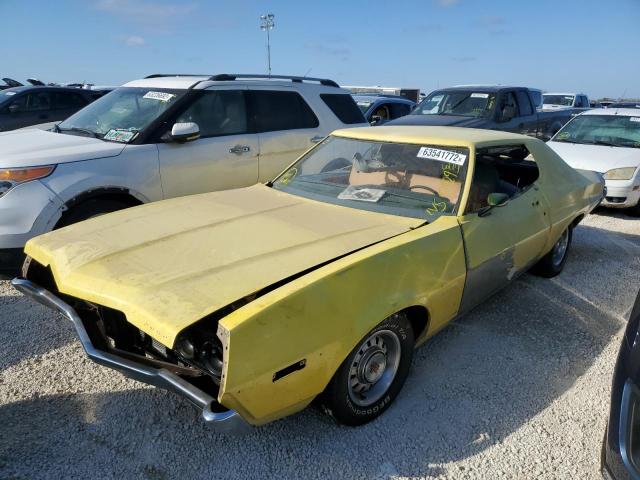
[254,302]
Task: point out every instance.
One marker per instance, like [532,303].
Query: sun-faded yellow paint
[169,264]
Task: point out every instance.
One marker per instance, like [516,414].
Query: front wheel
[371,377]
[553,262]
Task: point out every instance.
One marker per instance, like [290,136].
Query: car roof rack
[223,77]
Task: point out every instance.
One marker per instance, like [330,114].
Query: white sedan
[607,141]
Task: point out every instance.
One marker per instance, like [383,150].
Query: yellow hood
[166,265]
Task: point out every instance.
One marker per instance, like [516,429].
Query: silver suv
[160,137]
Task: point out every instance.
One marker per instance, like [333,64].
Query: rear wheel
[553,262]
[371,377]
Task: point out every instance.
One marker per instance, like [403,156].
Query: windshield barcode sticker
[115,135]
[162,96]
[479,95]
[442,155]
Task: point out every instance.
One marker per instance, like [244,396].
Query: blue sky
[562,45]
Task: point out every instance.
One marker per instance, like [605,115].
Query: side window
[508,103]
[19,104]
[509,169]
[344,107]
[217,113]
[272,111]
[399,110]
[38,101]
[68,101]
[382,111]
[524,104]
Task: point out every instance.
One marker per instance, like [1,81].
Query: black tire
[552,263]
[93,207]
[338,398]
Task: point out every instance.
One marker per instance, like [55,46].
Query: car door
[226,154]
[286,127]
[503,243]
[525,118]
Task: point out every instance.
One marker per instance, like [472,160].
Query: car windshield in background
[420,181]
[565,100]
[122,114]
[609,130]
[456,102]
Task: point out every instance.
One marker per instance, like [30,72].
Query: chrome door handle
[317,139]
[240,149]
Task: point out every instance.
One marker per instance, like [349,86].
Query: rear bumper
[227,421]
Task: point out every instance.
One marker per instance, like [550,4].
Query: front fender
[320,317]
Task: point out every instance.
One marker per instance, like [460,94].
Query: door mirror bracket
[493,200]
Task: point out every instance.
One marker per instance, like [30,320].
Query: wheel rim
[560,248]
[374,367]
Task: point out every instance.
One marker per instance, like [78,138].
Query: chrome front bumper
[229,421]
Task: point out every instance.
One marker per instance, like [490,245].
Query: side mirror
[185,132]
[14,108]
[497,199]
[494,200]
[375,119]
[508,112]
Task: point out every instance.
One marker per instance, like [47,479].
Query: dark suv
[26,106]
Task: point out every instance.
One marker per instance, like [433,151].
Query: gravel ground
[519,388]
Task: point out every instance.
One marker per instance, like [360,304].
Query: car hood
[33,148]
[167,265]
[599,158]
[439,120]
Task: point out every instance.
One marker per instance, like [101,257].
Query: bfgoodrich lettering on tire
[371,377]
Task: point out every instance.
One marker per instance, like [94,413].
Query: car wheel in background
[553,262]
[93,207]
[371,377]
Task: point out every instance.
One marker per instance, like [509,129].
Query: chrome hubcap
[560,248]
[374,367]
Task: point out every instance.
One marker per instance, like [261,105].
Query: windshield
[420,181]
[565,100]
[120,115]
[611,130]
[457,102]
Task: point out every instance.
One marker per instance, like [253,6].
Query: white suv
[160,137]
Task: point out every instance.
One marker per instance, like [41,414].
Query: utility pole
[266,23]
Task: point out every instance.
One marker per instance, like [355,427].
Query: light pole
[266,23]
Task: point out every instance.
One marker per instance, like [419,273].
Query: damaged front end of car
[192,369]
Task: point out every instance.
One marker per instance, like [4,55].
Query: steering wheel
[424,187]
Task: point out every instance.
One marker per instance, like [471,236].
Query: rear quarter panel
[320,317]
[568,193]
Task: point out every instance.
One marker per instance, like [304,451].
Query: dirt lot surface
[519,388]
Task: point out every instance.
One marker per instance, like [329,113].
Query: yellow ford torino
[254,302]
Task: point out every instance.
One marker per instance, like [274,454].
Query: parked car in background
[160,137]
[31,105]
[511,109]
[379,109]
[606,103]
[555,101]
[620,459]
[607,141]
[625,105]
[412,94]
[9,83]
[319,283]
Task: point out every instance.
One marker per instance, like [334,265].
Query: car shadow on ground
[470,387]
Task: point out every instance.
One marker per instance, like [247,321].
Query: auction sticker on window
[353,192]
[123,136]
[479,95]
[441,155]
[634,119]
[162,96]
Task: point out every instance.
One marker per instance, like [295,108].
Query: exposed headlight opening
[625,173]
[11,177]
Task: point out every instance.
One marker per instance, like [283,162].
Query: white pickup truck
[160,137]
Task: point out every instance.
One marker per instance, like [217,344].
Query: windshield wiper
[91,133]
